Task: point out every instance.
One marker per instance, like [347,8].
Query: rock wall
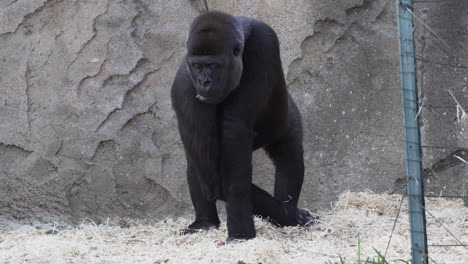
[442,57]
[87,129]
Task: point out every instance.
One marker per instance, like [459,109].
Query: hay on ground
[363,217]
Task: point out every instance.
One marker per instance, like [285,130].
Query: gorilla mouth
[208,100]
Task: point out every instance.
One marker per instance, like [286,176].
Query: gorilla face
[214,59]
[215,76]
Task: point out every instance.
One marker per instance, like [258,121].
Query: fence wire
[461,116]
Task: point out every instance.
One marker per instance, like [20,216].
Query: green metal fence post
[412,134]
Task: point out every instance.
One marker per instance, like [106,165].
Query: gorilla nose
[205,83]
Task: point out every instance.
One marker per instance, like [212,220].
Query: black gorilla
[230,99]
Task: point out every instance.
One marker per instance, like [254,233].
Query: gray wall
[442,53]
[87,129]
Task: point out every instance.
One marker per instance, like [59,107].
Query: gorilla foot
[199,226]
[305,219]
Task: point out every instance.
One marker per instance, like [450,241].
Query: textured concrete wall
[442,53]
[87,129]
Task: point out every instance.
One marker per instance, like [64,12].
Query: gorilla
[230,98]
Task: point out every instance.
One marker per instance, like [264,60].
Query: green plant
[379,259]
[341,261]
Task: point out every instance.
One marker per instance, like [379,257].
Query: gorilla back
[230,98]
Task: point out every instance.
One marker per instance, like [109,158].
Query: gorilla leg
[206,215]
[287,156]
[277,212]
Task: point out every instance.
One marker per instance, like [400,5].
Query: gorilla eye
[196,65]
[236,50]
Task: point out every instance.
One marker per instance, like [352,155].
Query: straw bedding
[364,217]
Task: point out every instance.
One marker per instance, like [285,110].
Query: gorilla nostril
[205,83]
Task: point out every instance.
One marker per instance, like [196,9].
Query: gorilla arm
[199,133]
[236,164]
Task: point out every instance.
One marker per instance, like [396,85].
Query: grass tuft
[379,259]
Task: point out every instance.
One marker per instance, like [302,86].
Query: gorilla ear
[236,50]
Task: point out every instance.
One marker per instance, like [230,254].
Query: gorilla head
[214,56]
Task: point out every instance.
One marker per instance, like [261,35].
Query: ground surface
[363,216]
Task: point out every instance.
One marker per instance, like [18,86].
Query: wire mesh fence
[440,56]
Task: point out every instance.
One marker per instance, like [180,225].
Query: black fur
[230,99]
